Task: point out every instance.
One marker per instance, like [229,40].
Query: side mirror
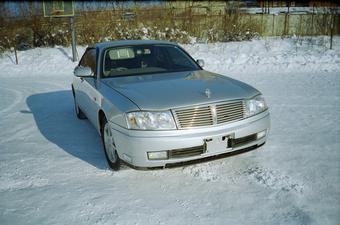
[200,62]
[80,71]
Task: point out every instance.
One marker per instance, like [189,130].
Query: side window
[89,59]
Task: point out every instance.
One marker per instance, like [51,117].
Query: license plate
[216,144]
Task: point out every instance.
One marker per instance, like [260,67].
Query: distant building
[251,6]
[301,3]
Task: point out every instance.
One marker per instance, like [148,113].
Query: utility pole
[73,33]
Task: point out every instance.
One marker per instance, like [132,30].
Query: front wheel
[109,146]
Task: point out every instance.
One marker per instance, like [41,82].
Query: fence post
[273,24]
[312,32]
[285,26]
[262,24]
[16,56]
[332,29]
[300,27]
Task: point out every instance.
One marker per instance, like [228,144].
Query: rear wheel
[109,145]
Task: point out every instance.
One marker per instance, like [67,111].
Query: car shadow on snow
[56,120]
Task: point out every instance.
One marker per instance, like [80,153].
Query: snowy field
[53,169]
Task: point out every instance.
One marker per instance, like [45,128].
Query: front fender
[114,105]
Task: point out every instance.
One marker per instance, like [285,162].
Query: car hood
[179,89]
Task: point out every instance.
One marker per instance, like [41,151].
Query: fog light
[158,155]
[261,134]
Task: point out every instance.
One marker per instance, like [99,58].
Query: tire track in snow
[25,128]
[18,180]
[18,96]
[208,172]
[273,179]
[52,84]
[18,133]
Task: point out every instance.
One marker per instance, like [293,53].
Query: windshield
[145,59]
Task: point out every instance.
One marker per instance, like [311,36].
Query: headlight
[255,105]
[150,120]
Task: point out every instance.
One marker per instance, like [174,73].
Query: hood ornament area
[207,92]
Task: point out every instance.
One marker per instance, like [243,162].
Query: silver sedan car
[154,105]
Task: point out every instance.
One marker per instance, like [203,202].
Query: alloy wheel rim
[110,147]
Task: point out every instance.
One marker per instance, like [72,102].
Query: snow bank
[270,55]
[39,62]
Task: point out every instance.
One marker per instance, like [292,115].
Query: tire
[79,113]
[110,149]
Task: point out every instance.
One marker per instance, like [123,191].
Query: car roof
[107,44]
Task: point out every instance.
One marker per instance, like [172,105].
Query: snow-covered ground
[53,170]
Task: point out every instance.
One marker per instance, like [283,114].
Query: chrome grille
[209,115]
[228,112]
[194,117]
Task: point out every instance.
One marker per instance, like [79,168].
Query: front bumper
[133,146]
